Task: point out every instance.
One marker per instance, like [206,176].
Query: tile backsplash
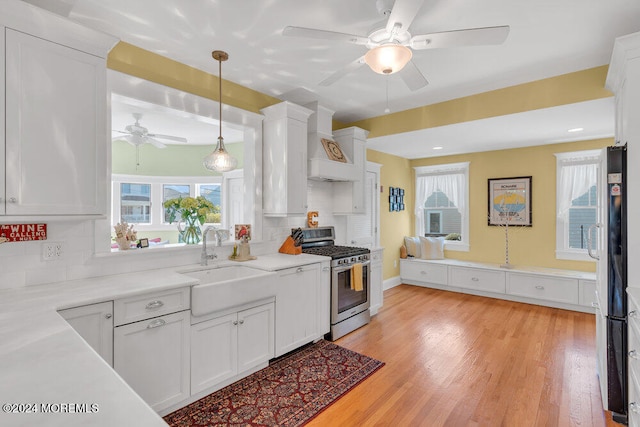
[22,263]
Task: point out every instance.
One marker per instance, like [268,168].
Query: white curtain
[573,182]
[451,184]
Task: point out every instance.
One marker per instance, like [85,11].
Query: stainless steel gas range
[350,279]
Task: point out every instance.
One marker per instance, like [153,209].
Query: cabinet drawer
[423,272]
[140,307]
[543,287]
[473,278]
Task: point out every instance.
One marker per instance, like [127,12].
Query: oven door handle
[348,267]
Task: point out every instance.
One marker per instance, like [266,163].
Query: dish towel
[356,277]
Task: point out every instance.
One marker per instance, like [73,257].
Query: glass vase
[190,233]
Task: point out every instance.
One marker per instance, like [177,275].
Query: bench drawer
[483,280]
[543,287]
[423,272]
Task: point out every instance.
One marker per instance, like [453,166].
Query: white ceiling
[547,38]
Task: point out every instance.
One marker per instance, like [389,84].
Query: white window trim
[464,244]
[575,157]
[156,183]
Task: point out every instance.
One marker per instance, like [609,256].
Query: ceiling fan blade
[459,38]
[352,66]
[154,142]
[403,14]
[324,35]
[412,77]
[128,138]
[167,137]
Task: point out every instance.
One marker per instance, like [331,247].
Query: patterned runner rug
[289,392]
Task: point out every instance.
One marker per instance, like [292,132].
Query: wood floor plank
[462,360]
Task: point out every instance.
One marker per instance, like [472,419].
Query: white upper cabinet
[54,116]
[285,159]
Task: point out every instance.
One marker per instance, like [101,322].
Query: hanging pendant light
[220,160]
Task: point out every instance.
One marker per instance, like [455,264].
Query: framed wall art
[510,201]
[396,199]
[333,150]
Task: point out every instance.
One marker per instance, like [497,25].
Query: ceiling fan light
[388,58]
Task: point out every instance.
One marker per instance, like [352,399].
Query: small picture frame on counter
[143,243]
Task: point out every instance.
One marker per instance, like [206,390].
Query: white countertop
[44,361]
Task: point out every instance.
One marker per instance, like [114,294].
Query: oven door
[346,301]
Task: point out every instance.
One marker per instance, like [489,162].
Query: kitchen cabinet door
[94,323]
[55,126]
[297,307]
[214,352]
[255,336]
[152,356]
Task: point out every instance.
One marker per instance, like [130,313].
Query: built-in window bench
[568,289]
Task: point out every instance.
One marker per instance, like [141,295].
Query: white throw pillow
[413,246]
[432,247]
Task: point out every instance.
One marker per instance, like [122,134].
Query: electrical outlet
[52,250]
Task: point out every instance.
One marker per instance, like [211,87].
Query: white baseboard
[390,283]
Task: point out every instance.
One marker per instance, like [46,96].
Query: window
[140,200]
[135,203]
[442,203]
[577,203]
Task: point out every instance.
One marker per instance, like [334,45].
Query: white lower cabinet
[152,356]
[297,303]
[423,272]
[227,346]
[94,323]
[376,280]
[633,361]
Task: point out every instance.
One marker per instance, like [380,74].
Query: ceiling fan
[138,135]
[391,45]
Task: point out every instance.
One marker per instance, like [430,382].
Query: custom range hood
[337,156]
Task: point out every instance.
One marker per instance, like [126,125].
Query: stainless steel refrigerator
[611,316]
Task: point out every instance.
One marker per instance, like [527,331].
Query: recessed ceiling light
[437,148]
[576,130]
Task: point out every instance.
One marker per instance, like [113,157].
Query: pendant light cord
[220,96]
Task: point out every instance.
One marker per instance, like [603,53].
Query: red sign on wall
[22,232]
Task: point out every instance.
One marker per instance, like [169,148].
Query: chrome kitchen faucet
[204,257]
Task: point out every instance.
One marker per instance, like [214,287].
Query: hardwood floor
[461,360]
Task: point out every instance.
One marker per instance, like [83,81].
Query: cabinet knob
[539,287]
[423,272]
[633,314]
[108,316]
[154,304]
[235,322]
[634,354]
[475,279]
[242,322]
[13,200]
[299,270]
[156,324]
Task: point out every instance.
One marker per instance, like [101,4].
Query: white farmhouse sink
[226,287]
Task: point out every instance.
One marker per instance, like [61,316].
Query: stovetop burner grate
[335,251]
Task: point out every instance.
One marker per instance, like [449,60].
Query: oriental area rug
[289,392]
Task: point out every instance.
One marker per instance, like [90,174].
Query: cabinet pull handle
[633,314]
[156,324]
[154,304]
[634,407]
[423,272]
[108,316]
[539,287]
[634,354]
[299,270]
[13,200]
[475,279]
